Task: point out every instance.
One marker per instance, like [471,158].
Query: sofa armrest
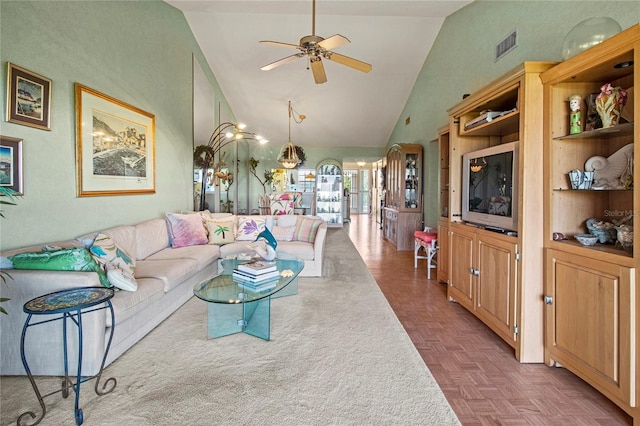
[318,245]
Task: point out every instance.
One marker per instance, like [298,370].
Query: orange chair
[427,240]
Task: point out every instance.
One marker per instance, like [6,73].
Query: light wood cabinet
[484,278]
[590,308]
[443,221]
[443,250]
[506,293]
[592,319]
[403,205]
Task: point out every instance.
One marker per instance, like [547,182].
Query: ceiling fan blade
[350,62]
[333,42]
[318,70]
[282,61]
[277,43]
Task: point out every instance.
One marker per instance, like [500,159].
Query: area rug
[337,356]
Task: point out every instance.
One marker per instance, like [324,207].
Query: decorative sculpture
[265,245]
[575,119]
[610,171]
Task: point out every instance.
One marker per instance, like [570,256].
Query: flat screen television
[490,187]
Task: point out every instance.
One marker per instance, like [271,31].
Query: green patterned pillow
[76,259]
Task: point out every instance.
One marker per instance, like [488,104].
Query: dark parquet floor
[476,370]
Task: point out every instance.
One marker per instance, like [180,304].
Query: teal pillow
[75,259]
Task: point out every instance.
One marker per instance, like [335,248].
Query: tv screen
[490,183]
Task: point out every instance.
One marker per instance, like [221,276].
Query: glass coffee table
[233,308]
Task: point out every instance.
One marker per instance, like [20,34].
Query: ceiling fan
[316,48]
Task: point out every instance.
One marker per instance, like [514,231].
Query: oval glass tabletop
[224,288]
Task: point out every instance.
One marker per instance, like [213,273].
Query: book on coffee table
[267,285]
[257,267]
[255,278]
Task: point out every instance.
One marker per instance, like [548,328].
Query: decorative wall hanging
[115,146]
[28,98]
[11,163]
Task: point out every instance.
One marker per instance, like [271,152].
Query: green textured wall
[462,61]
[139,52]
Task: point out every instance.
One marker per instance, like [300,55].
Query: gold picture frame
[115,146]
[28,98]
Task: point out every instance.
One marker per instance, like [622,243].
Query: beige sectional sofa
[165,278]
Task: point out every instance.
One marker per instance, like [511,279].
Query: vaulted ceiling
[352,108]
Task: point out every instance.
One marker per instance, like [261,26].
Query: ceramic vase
[609,104]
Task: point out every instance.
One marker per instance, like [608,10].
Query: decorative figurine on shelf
[609,104]
[575,116]
[613,172]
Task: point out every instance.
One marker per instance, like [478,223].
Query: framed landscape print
[115,146]
[28,98]
[11,163]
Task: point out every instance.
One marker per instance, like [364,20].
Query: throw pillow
[306,229]
[249,227]
[121,278]
[106,251]
[186,230]
[220,232]
[283,233]
[76,259]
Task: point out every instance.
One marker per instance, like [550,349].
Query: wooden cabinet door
[460,264]
[443,252]
[590,306]
[496,285]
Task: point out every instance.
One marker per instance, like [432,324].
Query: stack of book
[257,275]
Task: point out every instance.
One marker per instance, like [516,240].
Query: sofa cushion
[296,248]
[172,272]
[151,237]
[287,220]
[186,229]
[126,304]
[249,227]
[221,231]
[306,229]
[203,255]
[73,259]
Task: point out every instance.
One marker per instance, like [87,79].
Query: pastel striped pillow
[306,229]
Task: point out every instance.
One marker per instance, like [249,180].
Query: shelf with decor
[590,291]
[498,276]
[402,214]
[328,197]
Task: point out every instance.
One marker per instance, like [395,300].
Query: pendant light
[289,157]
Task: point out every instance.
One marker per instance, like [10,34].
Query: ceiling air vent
[507,44]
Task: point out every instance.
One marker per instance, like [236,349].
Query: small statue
[265,245]
[575,117]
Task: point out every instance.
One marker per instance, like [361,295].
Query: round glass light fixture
[587,34]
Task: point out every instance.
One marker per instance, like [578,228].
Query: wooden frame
[115,146]
[28,98]
[11,163]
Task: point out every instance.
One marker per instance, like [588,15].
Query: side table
[71,304]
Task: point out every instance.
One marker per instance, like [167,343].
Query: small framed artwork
[115,146]
[28,98]
[11,163]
